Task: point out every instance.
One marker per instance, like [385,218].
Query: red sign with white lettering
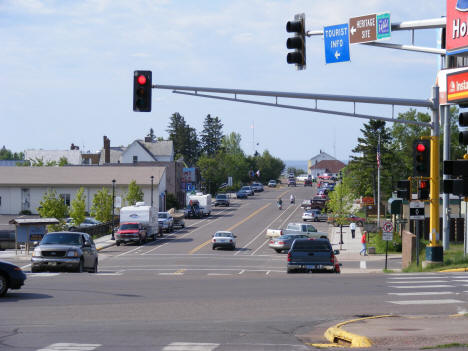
[456,38]
[457,87]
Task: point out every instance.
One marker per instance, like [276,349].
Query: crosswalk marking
[188,346]
[461,280]
[70,347]
[426,302]
[420,286]
[45,274]
[421,293]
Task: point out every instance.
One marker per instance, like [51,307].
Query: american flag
[378,155]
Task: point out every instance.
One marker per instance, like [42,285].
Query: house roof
[331,166]
[321,157]
[78,175]
[158,148]
[115,154]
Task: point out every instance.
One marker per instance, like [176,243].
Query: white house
[144,151]
[22,188]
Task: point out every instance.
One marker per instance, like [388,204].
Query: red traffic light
[421,147]
[141,80]
[423,184]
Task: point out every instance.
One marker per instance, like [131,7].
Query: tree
[184,139]
[270,167]
[211,136]
[102,206]
[295,171]
[341,202]
[78,208]
[213,171]
[231,143]
[135,194]
[151,135]
[53,206]
[63,161]
[6,154]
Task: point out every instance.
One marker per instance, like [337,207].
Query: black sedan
[11,277]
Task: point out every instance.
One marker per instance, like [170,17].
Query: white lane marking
[421,281]
[426,302]
[282,225]
[268,273]
[219,274]
[261,232]
[70,347]
[413,274]
[172,273]
[241,272]
[186,234]
[420,286]
[459,280]
[362,265]
[190,346]
[412,278]
[421,293]
[42,274]
[114,273]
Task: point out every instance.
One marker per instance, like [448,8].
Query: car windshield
[311,245]
[62,239]
[128,226]
[222,234]
[162,215]
[245,188]
[311,228]
[221,197]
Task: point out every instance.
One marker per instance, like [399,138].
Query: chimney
[106,149]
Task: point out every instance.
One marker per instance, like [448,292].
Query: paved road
[179,294]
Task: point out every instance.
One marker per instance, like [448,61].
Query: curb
[338,336]
[105,246]
[455,270]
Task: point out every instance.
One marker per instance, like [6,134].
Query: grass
[375,240]
[444,346]
[453,258]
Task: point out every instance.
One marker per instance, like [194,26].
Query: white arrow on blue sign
[336,39]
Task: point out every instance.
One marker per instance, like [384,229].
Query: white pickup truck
[296,228]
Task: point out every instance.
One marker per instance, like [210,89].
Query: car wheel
[213,247]
[3,285]
[233,248]
[35,270]
[117,243]
[94,269]
[316,219]
[140,241]
[80,267]
[278,250]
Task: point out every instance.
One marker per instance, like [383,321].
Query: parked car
[284,242]
[65,250]
[257,187]
[248,189]
[272,183]
[291,182]
[222,200]
[314,215]
[131,232]
[308,182]
[312,254]
[242,194]
[166,221]
[350,218]
[11,277]
[224,239]
[88,222]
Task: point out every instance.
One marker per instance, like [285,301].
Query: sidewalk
[104,242]
[349,250]
[396,332]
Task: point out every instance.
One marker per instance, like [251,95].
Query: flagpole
[378,183]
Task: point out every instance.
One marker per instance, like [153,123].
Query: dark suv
[222,200]
[291,182]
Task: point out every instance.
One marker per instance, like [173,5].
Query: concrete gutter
[338,336]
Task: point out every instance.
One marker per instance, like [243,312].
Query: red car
[129,232]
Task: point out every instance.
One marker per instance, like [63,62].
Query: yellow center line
[231,228]
[180,271]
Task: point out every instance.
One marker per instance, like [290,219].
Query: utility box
[408,252]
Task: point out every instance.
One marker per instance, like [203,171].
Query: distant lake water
[296,164]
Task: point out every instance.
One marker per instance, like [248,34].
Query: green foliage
[53,206]
[6,154]
[151,135]
[134,194]
[63,161]
[231,144]
[102,206]
[184,138]
[270,167]
[78,208]
[213,171]
[341,202]
[171,201]
[375,240]
[211,136]
[295,171]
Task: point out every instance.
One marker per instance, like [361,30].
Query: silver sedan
[284,242]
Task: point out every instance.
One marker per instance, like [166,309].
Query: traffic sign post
[387,235]
[336,41]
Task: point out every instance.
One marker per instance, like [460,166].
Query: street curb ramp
[338,336]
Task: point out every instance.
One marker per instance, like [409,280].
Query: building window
[65,198]
[135,159]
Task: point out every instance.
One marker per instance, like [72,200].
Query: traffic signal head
[422,158]
[142,85]
[297,43]
[463,121]
[423,190]
[404,189]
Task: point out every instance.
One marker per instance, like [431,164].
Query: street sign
[384,26]
[336,43]
[388,227]
[363,29]
[416,210]
[456,38]
[387,236]
[457,87]
[118,202]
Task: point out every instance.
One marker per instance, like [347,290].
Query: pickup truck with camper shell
[137,223]
[204,201]
[311,255]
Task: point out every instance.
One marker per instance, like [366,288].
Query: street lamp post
[152,178]
[113,203]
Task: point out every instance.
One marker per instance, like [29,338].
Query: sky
[66,70]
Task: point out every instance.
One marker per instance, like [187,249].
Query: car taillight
[214,240]
[289,257]
[332,258]
[230,240]
[280,242]
[271,241]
